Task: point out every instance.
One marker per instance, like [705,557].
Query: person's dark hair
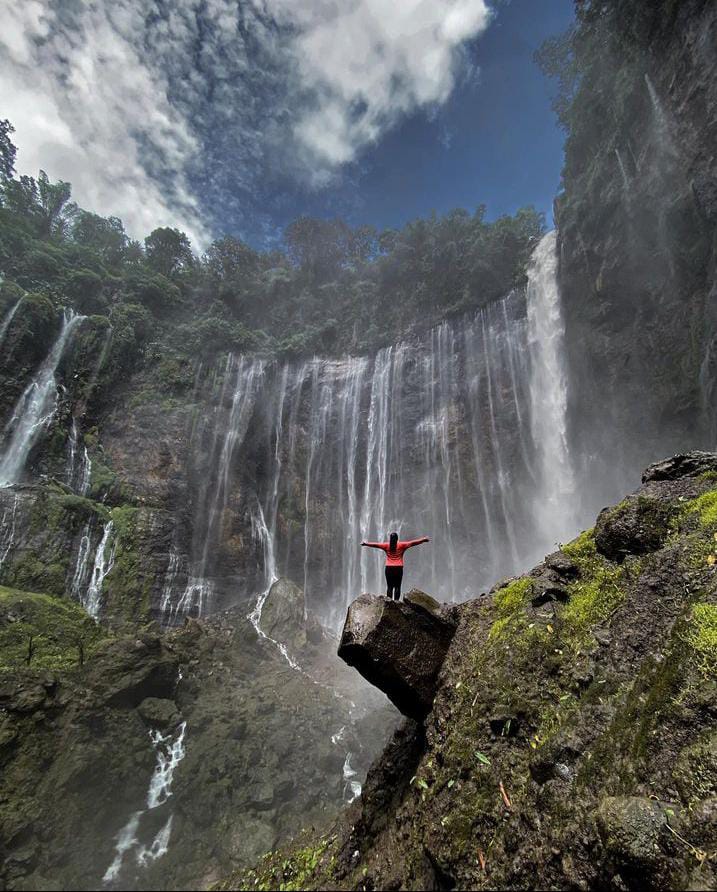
[392,541]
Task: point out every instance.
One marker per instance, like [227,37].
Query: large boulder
[687,464]
[638,525]
[399,646]
[283,614]
[284,617]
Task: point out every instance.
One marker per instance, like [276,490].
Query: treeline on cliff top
[331,288]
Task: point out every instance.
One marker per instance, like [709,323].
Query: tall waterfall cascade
[555,505]
[460,436]
[34,410]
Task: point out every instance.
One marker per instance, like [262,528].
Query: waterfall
[8,320]
[170,576]
[170,751]
[78,475]
[242,376]
[459,435]
[7,530]
[34,410]
[72,448]
[79,578]
[102,567]
[623,171]
[352,788]
[85,472]
[554,503]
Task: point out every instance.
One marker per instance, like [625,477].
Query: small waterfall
[170,577]
[170,751]
[554,500]
[72,449]
[79,579]
[34,410]
[7,530]
[623,172]
[262,535]
[352,788]
[85,475]
[7,321]
[102,567]
[661,121]
[78,473]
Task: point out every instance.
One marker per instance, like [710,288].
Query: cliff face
[163,761]
[638,236]
[571,742]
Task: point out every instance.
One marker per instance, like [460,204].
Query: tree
[230,260]
[169,251]
[104,235]
[53,201]
[8,151]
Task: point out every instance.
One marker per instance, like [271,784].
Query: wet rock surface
[77,755]
[399,647]
[571,740]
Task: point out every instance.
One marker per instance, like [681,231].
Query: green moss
[127,587]
[582,550]
[40,631]
[102,479]
[297,870]
[599,590]
[705,507]
[701,637]
[509,603]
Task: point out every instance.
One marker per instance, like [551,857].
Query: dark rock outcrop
[688,464]
[399,646]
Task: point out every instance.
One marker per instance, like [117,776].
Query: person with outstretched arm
[394,561]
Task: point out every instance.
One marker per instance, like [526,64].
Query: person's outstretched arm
[412,542]
[381,545]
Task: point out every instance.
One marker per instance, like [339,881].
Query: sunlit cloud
[180,114]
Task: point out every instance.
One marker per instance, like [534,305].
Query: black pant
[394,575]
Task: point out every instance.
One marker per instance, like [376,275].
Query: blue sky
[494,142]
[236,116]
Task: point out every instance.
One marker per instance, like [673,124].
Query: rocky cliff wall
[637,227]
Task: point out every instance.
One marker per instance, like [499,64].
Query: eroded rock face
[399,646]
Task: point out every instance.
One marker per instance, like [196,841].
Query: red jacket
[395,558]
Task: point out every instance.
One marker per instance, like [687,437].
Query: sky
[237,116]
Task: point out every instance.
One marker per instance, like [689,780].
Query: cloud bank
[180,113]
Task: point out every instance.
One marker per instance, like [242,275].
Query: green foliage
[42,632]
[333,289]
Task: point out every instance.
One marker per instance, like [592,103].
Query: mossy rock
[40,631]
[638,525]
[695,771]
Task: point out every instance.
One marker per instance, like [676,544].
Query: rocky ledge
[399,646]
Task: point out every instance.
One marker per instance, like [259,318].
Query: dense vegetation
[333,288]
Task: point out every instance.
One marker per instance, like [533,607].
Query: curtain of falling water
[433,437]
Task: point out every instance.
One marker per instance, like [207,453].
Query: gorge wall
[637,226]
[272,469]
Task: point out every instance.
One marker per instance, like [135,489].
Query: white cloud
[134,102]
